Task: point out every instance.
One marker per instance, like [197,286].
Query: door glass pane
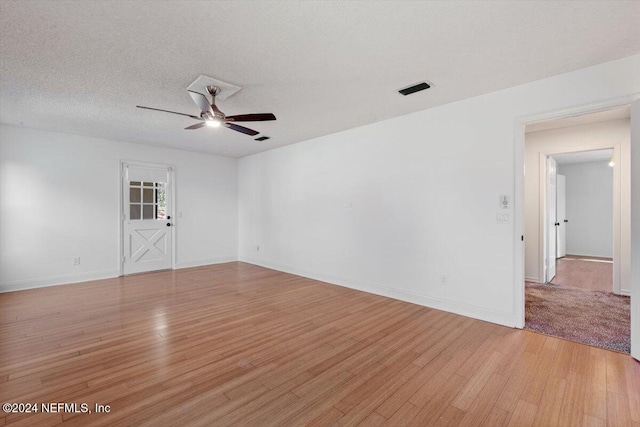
[134,211]
[134,195]
[147,195]
[147,212]
[147,200]
[162,204]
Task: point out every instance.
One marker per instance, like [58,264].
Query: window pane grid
[147,200]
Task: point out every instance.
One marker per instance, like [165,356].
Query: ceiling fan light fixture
[211,116]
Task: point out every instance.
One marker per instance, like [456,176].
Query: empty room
[288,213]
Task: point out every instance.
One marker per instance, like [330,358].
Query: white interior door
[635,229]
[147,225]
[551,223]
[561,216]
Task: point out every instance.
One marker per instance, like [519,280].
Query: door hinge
[522,238]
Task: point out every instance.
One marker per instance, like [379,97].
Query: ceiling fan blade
[201,101]
[196,126]
[257,117]
[242,129]
[167,111]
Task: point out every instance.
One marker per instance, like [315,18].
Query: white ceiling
[583,156]
[319,66]
[583,119]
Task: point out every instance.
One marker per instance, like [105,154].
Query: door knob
[566,220]
[168,224]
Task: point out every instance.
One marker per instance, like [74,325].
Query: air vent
[263,138]
[414,88]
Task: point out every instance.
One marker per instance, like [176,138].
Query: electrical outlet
[76,260]
[443,279]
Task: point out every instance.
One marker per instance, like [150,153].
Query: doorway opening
[577,202]
[583,247]
[146,218]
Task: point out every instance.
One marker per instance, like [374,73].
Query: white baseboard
[207,261]
[468,310]
[532,279]
[19,285]
[625,292]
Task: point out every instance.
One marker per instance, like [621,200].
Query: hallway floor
[590,273]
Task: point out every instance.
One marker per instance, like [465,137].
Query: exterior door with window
[147,223]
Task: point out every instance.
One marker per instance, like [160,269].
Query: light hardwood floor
[235,344]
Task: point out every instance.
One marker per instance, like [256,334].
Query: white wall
[589,203]
[392,207]
[614,133]
[59,198]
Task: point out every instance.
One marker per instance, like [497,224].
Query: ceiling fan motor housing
[217,114]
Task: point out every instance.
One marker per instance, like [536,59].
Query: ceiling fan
[212,116]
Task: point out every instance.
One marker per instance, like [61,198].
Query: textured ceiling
[82,66]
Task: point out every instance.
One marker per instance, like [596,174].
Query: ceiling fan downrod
[215,113]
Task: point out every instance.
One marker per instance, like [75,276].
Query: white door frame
[172,190]
[617,208]
[544,218]
[518,223]
[561,232]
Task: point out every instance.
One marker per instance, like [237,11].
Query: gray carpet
[597,318]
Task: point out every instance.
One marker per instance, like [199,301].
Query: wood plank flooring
[236,344]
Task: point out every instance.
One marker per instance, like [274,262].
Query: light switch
[504,202]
